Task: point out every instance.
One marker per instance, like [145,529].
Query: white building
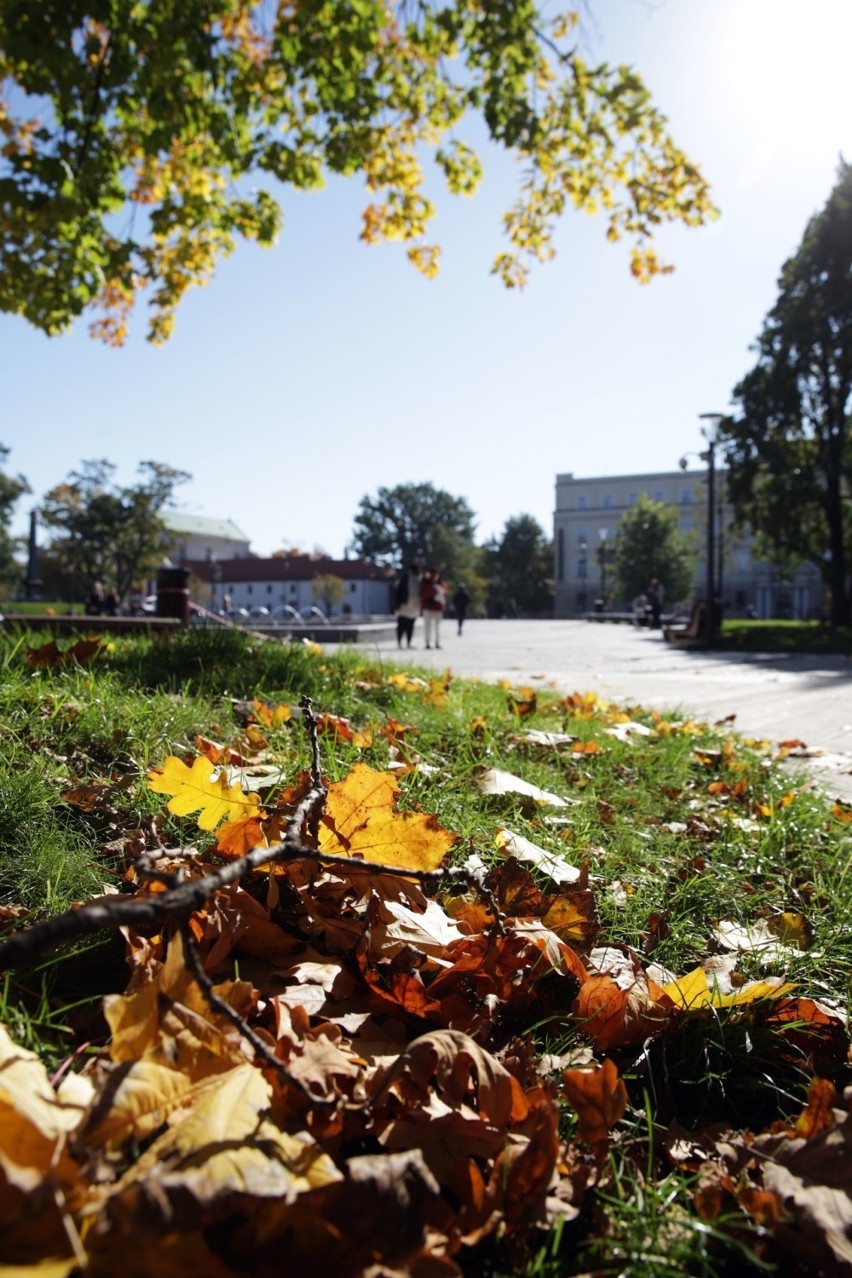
[252,582]
[198,537]
[585,523]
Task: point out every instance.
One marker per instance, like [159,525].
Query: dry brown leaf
[600,1099]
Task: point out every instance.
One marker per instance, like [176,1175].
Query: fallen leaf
[600,1099]
[494,781]
[200,789]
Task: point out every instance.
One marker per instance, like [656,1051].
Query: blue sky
[309,375]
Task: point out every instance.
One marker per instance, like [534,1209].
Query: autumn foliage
[328,1064]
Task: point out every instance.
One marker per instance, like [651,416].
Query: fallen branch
[183,897]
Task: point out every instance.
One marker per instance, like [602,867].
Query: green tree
[518,566]
[649,542]
[329,589]
[416,523]
[178,113]
[108,533]
[12,487]
[789,448]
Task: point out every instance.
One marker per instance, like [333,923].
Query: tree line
[100,530]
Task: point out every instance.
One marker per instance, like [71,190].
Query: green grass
[674,840]
[786,636]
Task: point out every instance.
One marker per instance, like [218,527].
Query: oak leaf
[200,789]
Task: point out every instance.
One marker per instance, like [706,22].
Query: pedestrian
[461,603]
[641,610]
[433,599]
[407,603]
[656,594]
[95,601]
[111,603]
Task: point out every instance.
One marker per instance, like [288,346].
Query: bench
[694,633]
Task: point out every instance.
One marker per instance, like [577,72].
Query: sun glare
[789,70]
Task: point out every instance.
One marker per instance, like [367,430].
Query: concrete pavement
[781,697]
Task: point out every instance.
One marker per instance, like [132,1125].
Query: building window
[560,555]
[249,589]
[686,497]
[293,588]
[582,602]
[659,495]
[582,502]
[632,499]
[582,568]
[607,501]
[269,588]
[353,586]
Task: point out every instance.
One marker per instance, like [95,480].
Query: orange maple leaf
[360,820]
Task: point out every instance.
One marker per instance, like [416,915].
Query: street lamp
[604,533]
[710,431]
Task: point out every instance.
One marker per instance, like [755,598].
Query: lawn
[581,1009]
[786,636]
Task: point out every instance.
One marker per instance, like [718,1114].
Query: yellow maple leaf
[361,820]
[201,789]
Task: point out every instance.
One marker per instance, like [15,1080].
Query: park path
[778,696]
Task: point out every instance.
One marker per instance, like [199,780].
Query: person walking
[407,603]
[433,599]
[461,603]
[656,594]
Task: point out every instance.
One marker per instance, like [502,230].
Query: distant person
[461,603]
[641,610]
[656,595]
[111,603]
[407,603]
[95,601]
[433,600]
[227,602]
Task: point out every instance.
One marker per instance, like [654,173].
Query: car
[259,611]
[239,614]
[149,603]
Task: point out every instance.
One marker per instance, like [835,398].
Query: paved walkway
[806,698]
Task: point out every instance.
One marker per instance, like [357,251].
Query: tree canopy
[649,542]
[108,533]
[11,488]
[139,142]
[789,447]
[518,566]
[415,523]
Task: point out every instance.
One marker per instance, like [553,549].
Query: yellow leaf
[360,820]
[200,789]
[227,1144]
[699,989]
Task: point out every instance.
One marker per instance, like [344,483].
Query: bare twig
[219,1005]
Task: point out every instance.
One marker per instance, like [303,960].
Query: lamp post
[710,431]
[604,533]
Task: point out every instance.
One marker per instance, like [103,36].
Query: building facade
[252,582]
[585,524]
[199,537]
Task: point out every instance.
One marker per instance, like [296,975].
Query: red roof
[289,568]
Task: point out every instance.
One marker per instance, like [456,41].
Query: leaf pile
[376,1047]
